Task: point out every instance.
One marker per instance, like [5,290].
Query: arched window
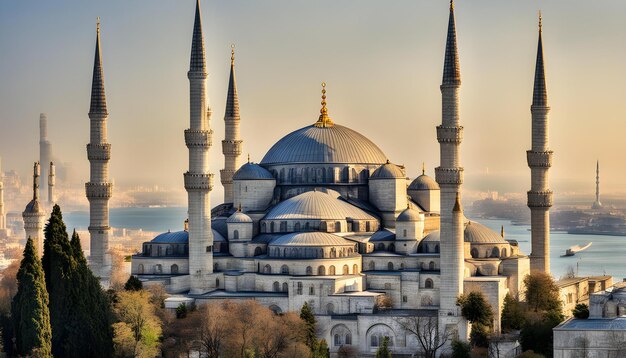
[284,269]
[348,339]
[474,253]
[296,227]
[272,226]
[346,270]
[267,269]
[307,226]
[158,269]
[371,266]
[174,269]
[235,234]
[283,226]
[276,286]
[311,290]
[216,267]
[503,252]
[392,247]
[333,253]
[428,283]
[404,233]
[330,308]
[285,287]
[263,227]
[140,269]
[381,247]
[431,266]
[437,248]
[337,226]
[258,251]
[390,266]
[331,270]
[217,282]
[355,269]
[309,270]
[337,340]
[299,288]
[401,266]
[495,252]
[321,271]
[374,341]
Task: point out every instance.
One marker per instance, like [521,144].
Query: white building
[326,218]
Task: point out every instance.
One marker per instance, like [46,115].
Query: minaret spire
[99,189]
[597,204]
[198,57]
[231,145]
[539,159]
[51,183]
[451,67]
[33,215]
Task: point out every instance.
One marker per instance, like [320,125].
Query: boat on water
[576,248]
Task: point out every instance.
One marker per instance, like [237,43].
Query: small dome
[480,234]
[33,207]
[388,171]
[410,215]
[252,171]
[424,182]
[313,238]
[239,217]
[316,205]
[181,237]
[433,236]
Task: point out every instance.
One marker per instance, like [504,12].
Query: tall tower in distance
[540,160]
[99,189]
[231,145]
[597,204]
[45,150]
[51,182]
[449,176]
[3,218]
[198,180]
[34,216]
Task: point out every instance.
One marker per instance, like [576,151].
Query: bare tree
[426,330]
[213,329]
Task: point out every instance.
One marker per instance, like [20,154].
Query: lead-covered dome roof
[410,214]
[252,171]
[312,238]
[33,207]
[388,171]
[474,233]
[331,144]
[181,237]
[316,205]
[424,182]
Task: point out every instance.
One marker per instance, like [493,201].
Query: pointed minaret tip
[457,204]
[540,93]
[98,98]
[451,67]
[232,98]
[198,58]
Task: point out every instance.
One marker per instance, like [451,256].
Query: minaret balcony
[449,134]
[449,175]
[198,138]
[540,199]
[539,159]
[99,151]
[231,147]
[99,190]
[194,181]
[226,176]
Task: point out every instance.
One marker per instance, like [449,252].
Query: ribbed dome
[335,144]
[424,182]
[480,234]
[410,215]
[180,237]
[316,205]
[388,171]
[239,217]
[313,238]
[33,207]
[252,171]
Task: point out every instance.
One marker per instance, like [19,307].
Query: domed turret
[425,191]
[240,232]
[409,230]
[34,215]
[387,191]
[253,187]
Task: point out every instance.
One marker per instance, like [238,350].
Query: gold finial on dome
[423,168]
[502,231]
[324,120]
[248,158]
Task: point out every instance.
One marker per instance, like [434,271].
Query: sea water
[606,256]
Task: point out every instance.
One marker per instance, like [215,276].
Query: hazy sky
[382,61]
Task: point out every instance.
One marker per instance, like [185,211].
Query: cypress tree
[29,308]
[306,314]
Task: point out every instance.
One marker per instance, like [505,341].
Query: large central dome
[332,144]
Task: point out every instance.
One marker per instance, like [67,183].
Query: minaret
[597,204]
[449,175]
[231,145]
[540,160]
[99,188]
[3,222]
[51,182]
[45,150]
[198,180]
[34,215]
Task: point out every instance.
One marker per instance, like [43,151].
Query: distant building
[597,204]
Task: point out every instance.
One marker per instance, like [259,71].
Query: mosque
[326,218]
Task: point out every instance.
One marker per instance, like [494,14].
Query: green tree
[138,330]
[475,309]
[31,317]
[581,311]
[306,314]
[383,351]
[513,315]
[181,311]
[479,336]
[322,349]
[80,312]
[461,349]
[133,284]
[542,293]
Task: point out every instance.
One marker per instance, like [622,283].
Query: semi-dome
[180,237]
[316,205]
[474,233]
[424,182]
[388,171]
[410,214]
[252,171]
[239,217]
[318,144]
[313,238]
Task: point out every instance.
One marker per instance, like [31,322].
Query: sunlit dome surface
[316,205]
[313,238]
[335,144]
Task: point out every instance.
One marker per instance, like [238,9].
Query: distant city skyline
[381,61]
